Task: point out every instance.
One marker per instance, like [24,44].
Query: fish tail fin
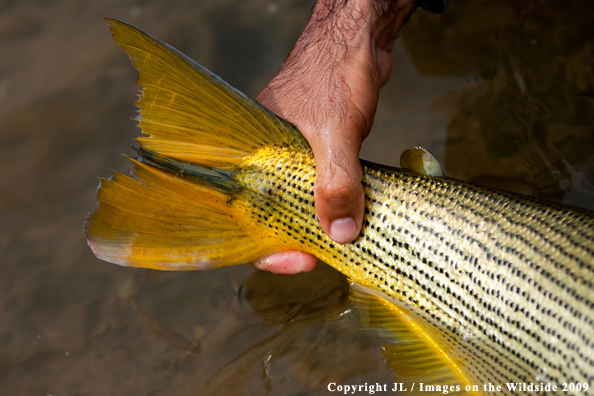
[189,113]
[174,212]
[162,219]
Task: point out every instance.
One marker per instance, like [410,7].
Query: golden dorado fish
[478,290]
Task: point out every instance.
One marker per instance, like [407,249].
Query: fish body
[499,274]
[472,285]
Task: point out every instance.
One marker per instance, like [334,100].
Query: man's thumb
[339,197]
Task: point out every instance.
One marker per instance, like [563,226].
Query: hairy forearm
[343,40]
[345,20]
[351,28]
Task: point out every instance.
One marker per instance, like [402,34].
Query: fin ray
[410,349]
[154,219]
[174,211]
[184,103]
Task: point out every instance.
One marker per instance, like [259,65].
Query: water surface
[501,91]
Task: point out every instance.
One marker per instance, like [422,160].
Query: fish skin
[505,281]
[514,272]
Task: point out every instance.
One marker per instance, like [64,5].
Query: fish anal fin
[411,349]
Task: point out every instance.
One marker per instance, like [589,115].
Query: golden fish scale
[507,279]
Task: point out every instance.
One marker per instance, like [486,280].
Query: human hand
[329,87]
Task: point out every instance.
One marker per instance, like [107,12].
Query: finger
[287,263]
[338,192]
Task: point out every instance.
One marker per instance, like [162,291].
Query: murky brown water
[501,91]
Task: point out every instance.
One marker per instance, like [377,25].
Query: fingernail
[343,230]
[264,262]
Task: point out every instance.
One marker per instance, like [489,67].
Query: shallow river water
[501,91]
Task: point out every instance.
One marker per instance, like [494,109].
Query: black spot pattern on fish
[514,271]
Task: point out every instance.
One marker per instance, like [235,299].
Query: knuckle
[339,191]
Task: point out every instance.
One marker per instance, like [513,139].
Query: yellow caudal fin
[191,114]
[156,219]
[412,351]
[173,213]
